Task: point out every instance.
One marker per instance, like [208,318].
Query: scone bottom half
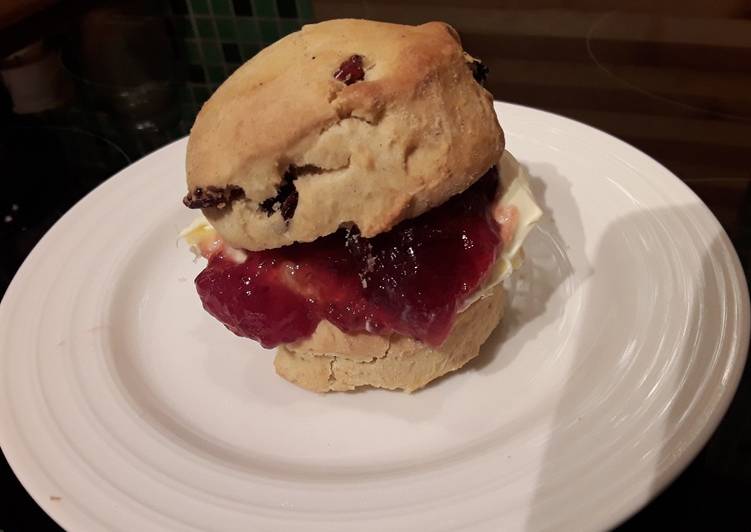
[331,360]
[344,123]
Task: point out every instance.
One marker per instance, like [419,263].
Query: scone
[360,210]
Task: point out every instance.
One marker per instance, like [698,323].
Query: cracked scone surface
[415,131]
[331,360]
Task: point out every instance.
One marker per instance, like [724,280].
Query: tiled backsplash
[217,36]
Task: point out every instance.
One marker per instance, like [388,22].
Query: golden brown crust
[331,360]
[417,130]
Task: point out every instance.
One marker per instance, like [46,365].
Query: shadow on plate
[610,385]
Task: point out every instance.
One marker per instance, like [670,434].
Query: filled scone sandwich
[359,210]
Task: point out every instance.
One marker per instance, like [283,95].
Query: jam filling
[411,280]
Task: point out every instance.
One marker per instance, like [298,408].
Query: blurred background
[90,86]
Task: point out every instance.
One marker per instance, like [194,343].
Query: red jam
[411,280]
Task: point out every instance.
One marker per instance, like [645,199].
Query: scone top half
[344,122]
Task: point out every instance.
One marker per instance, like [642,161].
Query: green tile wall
[217,36]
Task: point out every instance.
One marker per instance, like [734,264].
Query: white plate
[124,406]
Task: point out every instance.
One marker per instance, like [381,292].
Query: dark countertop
[672,79]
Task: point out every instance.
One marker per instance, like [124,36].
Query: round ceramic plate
[124,406]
